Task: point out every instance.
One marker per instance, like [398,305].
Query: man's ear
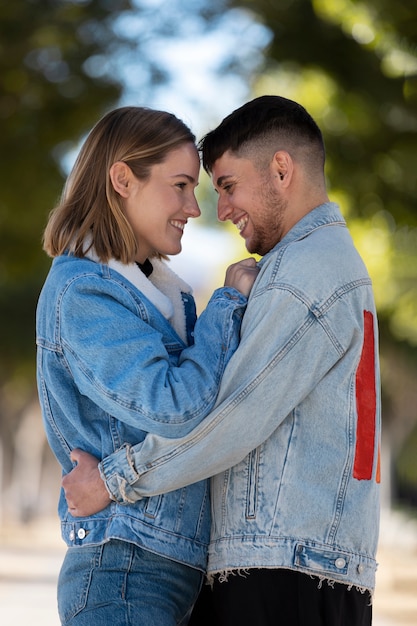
[121,177]
[283,167]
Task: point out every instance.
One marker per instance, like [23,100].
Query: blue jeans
[120,584]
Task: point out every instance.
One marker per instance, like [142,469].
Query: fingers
[76,455]
[83,486]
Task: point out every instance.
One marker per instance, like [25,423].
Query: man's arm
[261,386]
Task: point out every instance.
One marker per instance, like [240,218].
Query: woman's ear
[121,177]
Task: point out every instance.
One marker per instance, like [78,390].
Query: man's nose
[224,209]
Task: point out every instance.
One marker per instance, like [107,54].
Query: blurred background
[63,64]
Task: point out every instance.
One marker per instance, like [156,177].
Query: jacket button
[81,533]
[340,562]
[360,568]
[72,535]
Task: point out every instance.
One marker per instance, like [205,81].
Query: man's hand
[84,488]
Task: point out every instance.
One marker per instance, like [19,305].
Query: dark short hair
[273,121]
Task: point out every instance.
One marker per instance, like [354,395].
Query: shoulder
[73,279]
[316,268]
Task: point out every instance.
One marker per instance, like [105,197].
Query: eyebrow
[190,178]
[221,179]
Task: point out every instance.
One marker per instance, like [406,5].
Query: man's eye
[228,188]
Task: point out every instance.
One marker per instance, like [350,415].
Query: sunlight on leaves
[389,255]
[374,243]
[359,21]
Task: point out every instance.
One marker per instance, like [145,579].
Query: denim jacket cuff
[231,294]
[118,473]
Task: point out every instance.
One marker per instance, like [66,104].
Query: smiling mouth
[179,225]
[240,225]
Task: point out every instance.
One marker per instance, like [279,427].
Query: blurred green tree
[49,92]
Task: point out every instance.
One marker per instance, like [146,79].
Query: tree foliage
[48,97]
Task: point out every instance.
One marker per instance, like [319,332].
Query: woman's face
[158,209]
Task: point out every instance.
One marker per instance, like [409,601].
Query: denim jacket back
[293,441]
[111,368]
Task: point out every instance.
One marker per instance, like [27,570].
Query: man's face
[250,200]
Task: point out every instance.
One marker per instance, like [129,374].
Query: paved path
[30,559]
[396,588]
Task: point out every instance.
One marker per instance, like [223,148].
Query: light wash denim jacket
[111,368]
[297,420]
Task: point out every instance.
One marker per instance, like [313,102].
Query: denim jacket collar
[327,213]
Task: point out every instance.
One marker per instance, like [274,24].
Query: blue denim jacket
[297,420]
[111,368]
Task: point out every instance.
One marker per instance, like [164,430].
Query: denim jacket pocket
[252,485]
[152,506]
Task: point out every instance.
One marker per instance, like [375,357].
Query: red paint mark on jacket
[366,404]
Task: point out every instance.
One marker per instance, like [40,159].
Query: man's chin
[250,247]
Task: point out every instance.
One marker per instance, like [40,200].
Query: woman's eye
[182,185]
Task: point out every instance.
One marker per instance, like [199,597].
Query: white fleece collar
[163,288]
[170,284]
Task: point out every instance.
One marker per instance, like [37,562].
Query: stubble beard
[267,232]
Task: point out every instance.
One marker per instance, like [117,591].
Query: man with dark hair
[293,441]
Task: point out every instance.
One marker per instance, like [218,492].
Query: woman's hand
[242,275]
[84,488]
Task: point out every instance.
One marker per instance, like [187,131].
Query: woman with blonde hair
[120,354]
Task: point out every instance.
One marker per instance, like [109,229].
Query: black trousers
[280,597]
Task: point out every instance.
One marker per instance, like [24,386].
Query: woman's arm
[121,362]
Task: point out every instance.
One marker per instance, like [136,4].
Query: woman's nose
[192,208]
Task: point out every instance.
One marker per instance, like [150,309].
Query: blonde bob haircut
[90,212]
